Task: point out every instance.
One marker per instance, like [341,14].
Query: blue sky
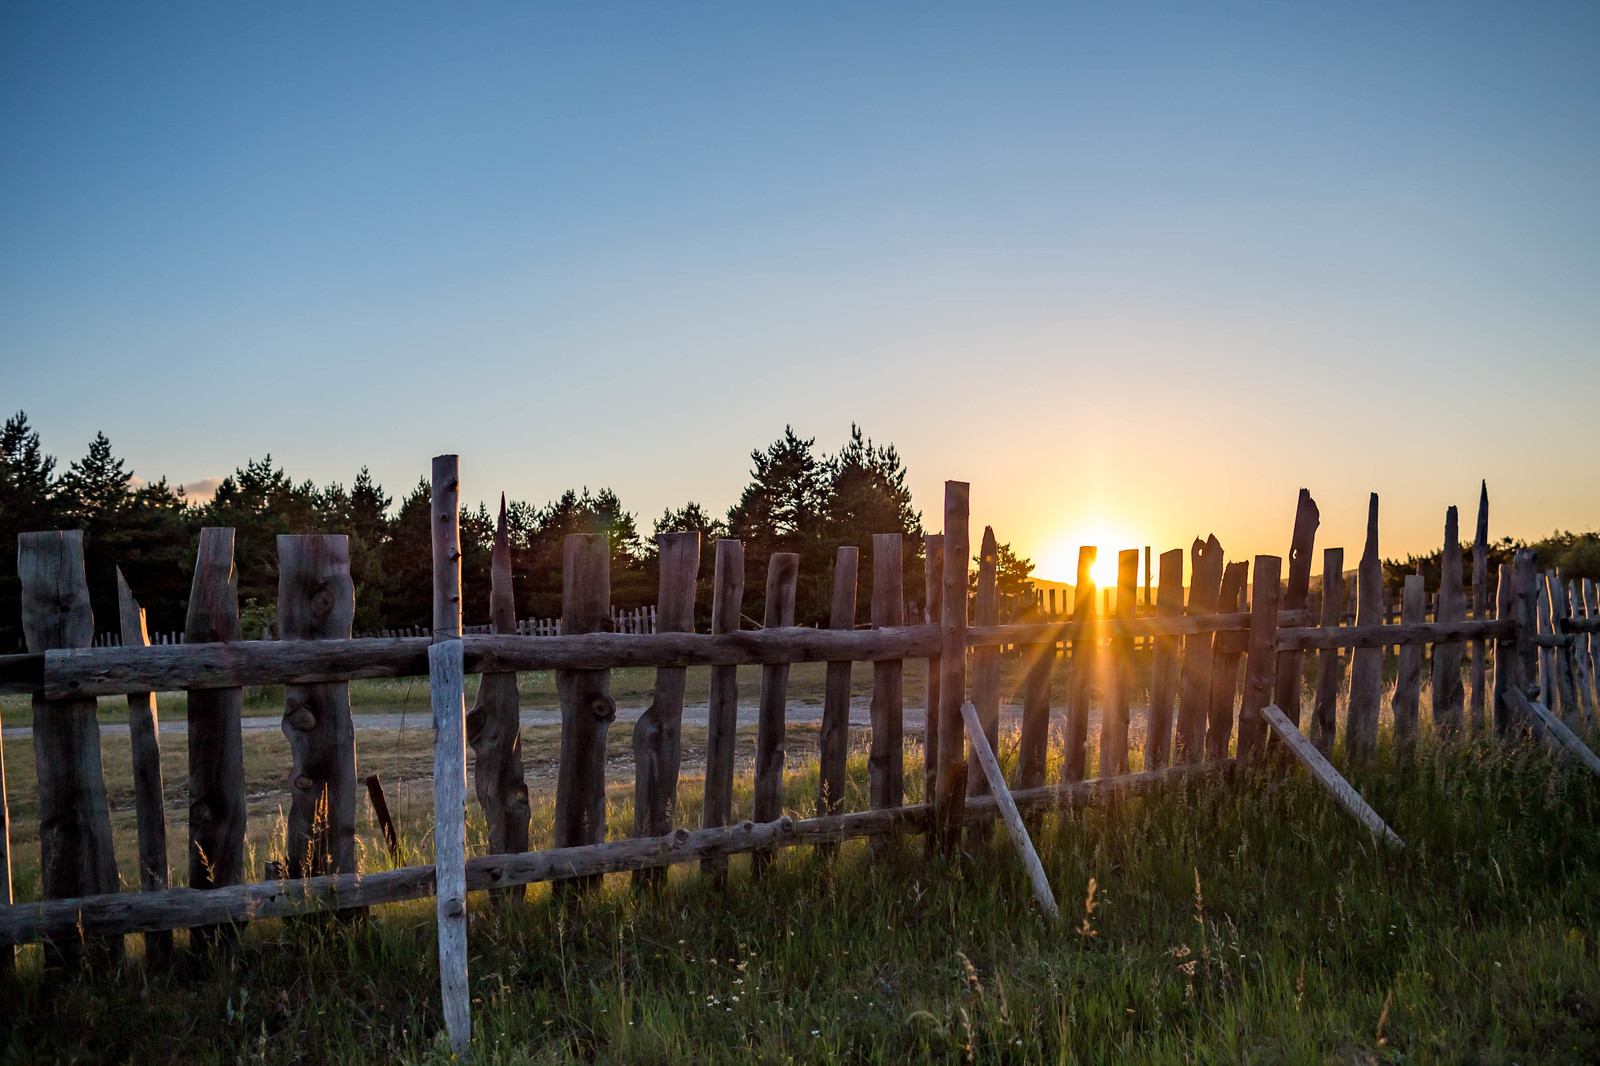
[1136,273]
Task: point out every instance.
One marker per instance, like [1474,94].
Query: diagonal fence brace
[1009,813]
[1321,769]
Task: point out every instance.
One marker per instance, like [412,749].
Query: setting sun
[1059,562]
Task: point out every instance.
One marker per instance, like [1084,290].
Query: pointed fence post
[447,690]
[1448,697]
[76,854]
[144,742]
[1366,670]
[951,786]
[1286,693]
[885,763]
[985,674]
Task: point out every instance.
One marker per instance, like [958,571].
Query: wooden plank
[1382,636]
[1449,698]
[1164,663]
[1555,732]
[1286,690]
[1366,665]
[1477,701]
[494,725]
[951,784]
[658,733]
[722,716]
[985,672]
[76,854]
[1261,670]
[178,908]
[783,576]
[1408,681]
[144,742]
[1226,655]
[316,601]
[1008,810]
[380,811]
[933,612]
[216,746]
[587,709]
[1080,686]
[1329,778]
[1114,722]
[1194,698]
[833,741]
[886,760]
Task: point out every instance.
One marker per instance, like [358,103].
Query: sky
[1136,272]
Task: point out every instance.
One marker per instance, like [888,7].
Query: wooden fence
[1237,622]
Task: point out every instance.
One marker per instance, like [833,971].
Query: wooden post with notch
[1330,665]
[658,733]
[216,745]
[447,695]
[1286,692]
[951,787]
[1164,663]
[494,725]
[144,742]
[783,575]
[1227,651]
[1080,687]
[1114,723]
[1408,681]
[1448,696]
[933,614]
[985,674]
[722,714]
[833,742]
[1476,698]
[76,851]
[886,760]
[1261,663]
[587,709]
[1366,664]
[317,601]
[1194,698]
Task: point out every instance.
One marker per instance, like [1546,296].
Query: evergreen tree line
[797,500]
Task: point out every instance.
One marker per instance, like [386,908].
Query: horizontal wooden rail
[1380,636]
[182,908]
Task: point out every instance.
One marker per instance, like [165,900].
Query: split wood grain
[1366,666]
[144,742]
[1009,813]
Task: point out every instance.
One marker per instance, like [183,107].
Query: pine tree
[96,486]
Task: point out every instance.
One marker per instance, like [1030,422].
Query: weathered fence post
[1579,650]
[886,762]
[1114,722]
[833,742]
[587,709]
[1507,666]
[1330,665]
[657,735]
[783,575]
[1571,710]
[1227,651]
[1286,694]
[1408,681]
[447,691]
[494,725]
[1448,697]
[145,749]
[1480,608]
[1525,607]
[1548,692]
[722,714]
[985,674]
[1164,663]
[1261,666]
[1080,686]
[1591,611]
[76,853]
[1194,700]
[316,601]
[933,614]
[1366,669]
[951,787]
[216,745]
[1033,752]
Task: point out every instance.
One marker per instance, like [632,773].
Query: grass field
[1248,921]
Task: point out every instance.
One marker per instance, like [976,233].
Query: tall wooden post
[1571,709]
[1525,608]
[985,673]
[76,855]
[1194,698]
[1080,690]
[722,715]
[833,741]
[1480,609]
[1261,665]
[317,601]
[1366,669]
[148,799]
[1039,662]
[1114,723]
[657,735]
[447,690]
[216,746]
[783,575]
[1164,664]
[1408,682]
[494,725]
[951,787]
[587,709]
[1330,666]
[1286,694]
[1227,650]
[933,599]
[1448,697]
[1549,691]
[1506,665]
[886,762]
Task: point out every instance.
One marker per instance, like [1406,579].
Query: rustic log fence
[1238,617]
